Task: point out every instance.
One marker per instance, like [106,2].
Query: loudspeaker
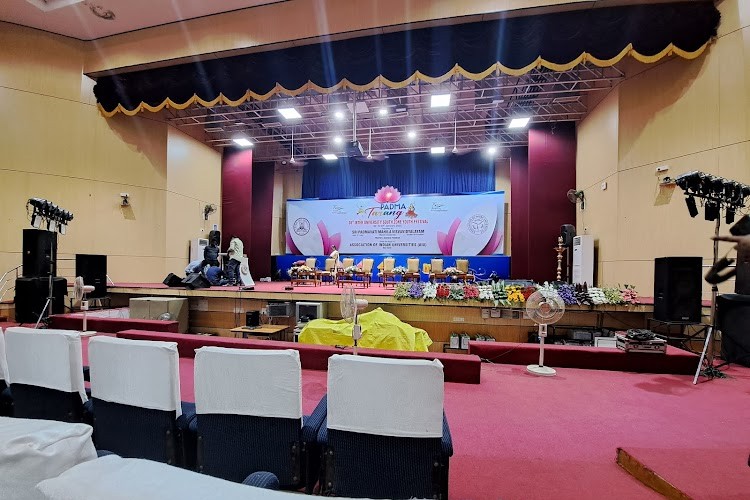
[39,249]
[742,279]
[252,318]
[196,280]
[172,280]
[31,295]
[214,236]
[93,270]
[677,289]
[733,320]
[568,232]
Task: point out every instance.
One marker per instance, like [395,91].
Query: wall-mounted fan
[208,210]
[351,306]
[576,196]
[543,309]
[79,292]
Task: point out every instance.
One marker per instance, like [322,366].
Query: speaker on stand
[678,285]
[31,296]
[732,320]
[39,253]
[93,270]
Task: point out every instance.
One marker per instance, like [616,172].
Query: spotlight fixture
[338,140]
[692,206]
[440,100]
[411,134]
[520,122]
[492,150]
[290,113]
[243,142]
[730,215]
[437,150]
[383,111]
[712,210]
[339,115]
[329,156]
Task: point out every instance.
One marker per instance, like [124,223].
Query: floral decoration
[429,291]
[387,194]
[400,270]
[416,290]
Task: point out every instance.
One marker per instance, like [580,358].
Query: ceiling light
[440,100]
[290,113]
[519,122]
[339,115]
[411,134]
[492,150]
[383,111]
[241,141]
[330,157]
[437,150]
[338,139]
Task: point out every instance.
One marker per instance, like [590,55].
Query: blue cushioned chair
[45,371]
[384,433]
[135,389]
[249,415]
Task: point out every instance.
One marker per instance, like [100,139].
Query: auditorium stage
[218,309]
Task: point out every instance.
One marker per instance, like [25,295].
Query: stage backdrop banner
[463,224]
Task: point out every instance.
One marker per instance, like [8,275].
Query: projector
[354,148]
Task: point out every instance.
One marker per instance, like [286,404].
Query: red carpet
[276,287]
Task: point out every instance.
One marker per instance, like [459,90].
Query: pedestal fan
[79,292]
[544,309]
[350,309]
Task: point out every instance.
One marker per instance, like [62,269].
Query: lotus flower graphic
[387,194]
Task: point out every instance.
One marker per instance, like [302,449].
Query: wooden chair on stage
[307,277]
[366,273]
[463,266]
[329,273]
[436,270]
[387,276]
[340,274]
[412,270]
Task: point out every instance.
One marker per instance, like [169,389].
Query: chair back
[367,265]
[347,262]
[45,373]
[436,265]
[389,263]
[311,262]
[135,388]
[462,265]
[249,413]
[412,265]
[330,264]
[6,400]
[3,360]
[384,419]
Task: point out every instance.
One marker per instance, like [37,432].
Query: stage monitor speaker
[39,249]
[196,280]
[733,320]
[93,270]
[568,232]
[32,293]
[172,280]
[677,289]
[252,318]
[214,236]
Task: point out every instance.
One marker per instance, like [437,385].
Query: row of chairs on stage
[361,274]
[379,432]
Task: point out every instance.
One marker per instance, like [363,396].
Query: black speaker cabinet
[196,280]
[93,270]
[568,232]
[39,250]
[742,281]
[677,289]
[172,280]
[214,236]
[252,318]
[32,293]
[733,320]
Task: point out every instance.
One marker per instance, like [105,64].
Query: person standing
[211,254]
[235,254]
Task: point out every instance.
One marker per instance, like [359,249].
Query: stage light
[290,113]
[51,225]
[519,122]
[242,141]
[330,157]
[383,111]
[730,215]
[339,115]
[712,210]
[36,220]
[338,140]
[692,206]
[411,134]
[437,150]
[440,100]
[492,150]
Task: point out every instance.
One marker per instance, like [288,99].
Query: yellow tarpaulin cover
[380,330]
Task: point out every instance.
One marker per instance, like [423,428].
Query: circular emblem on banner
[301,227]
[478,224]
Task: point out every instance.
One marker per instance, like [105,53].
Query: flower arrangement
[629,295]
[456,292]
[400,270]
[471,292]
[416,290]
[499,294]
[612,295]
[429,291]
[401,291]
[443,291]
[597,295]
[451,271]
[568,294]
[295,271]
[485,292]
[351,269]
[515,294]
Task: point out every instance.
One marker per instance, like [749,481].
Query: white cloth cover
[45,358]
[115,478]
[135,372]
[252,382]
[3,359]
[385,397]
[35,450]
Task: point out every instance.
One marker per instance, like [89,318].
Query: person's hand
[740,240]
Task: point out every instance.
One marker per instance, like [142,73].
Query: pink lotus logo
[387,194]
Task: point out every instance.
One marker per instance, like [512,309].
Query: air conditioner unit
[196,248]
[305,311]
[583,259]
